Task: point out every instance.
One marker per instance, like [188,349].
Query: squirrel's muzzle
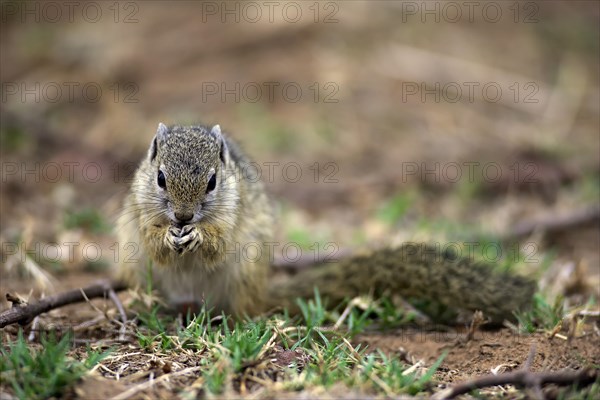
[183,217]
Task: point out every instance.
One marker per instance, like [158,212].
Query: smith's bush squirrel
[192,201]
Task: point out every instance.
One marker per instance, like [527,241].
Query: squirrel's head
[188,172]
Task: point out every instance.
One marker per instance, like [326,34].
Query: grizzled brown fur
[193,229]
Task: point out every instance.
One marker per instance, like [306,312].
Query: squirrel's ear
[162,132]
[152,150]
[161,135]
[223,151]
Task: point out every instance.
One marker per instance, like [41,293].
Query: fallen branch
[34,327]
[548,225]
[115,299]
[554,224]
[474,326]
[309,260]
[23,314]
[523,378]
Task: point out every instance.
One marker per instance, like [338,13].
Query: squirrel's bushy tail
[411,271]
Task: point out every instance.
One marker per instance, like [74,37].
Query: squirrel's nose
[184,217]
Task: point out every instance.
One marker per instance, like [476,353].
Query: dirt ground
[364,119]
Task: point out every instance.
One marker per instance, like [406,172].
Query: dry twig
[34,328]
[523,377]
[23,314]
[115,299]
[308,260]
[475,323]
[554,224]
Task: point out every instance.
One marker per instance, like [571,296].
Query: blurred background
[371,122]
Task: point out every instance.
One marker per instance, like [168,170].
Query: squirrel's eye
[162,182]
[212,183]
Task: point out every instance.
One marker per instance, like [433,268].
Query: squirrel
[192,206]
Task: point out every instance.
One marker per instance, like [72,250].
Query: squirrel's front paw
[172,237]
[190,239]
[183,240]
